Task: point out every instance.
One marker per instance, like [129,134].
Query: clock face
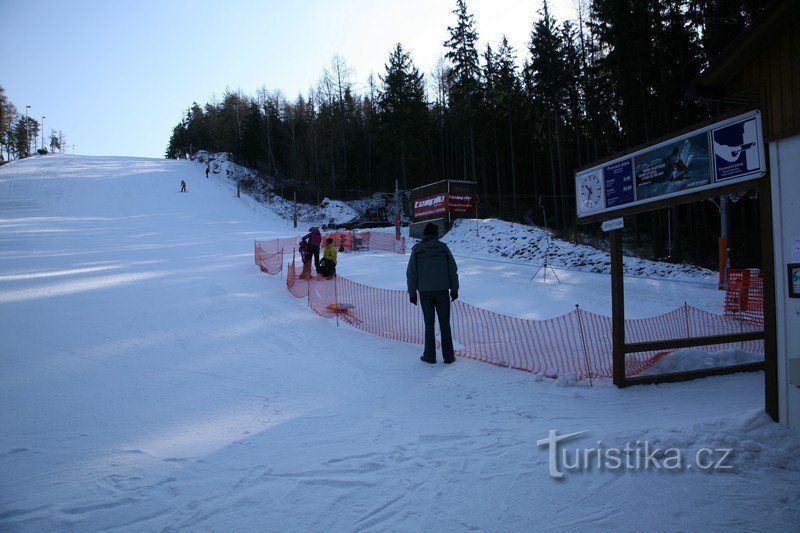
[590,191]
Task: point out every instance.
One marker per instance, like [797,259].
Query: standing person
[306,259]
[433,272]
[313,239]
[183,186]
[208,167]
[327,267]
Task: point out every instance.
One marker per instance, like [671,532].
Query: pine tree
[7,113]
[548,84]
[464,79]
[402,112]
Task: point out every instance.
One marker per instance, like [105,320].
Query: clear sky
[116,75]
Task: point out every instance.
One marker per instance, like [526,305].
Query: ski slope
[152,378]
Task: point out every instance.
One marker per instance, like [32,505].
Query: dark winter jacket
[314,237]
[431,267]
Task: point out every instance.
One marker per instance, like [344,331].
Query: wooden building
[761,70]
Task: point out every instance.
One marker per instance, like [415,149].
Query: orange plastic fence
[269,262]
[366,240]
[576,343]
[744,298]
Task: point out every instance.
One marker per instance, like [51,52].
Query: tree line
[516,122]
[20,133]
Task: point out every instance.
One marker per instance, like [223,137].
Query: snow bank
[692,359]
[493,238]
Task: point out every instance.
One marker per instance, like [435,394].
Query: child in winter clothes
[305,257]
[327,267]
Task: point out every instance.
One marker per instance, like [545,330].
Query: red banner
[431,205]
[462,204]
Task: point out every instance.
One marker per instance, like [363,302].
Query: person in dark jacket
[313,239]
[183,186]
[433,272]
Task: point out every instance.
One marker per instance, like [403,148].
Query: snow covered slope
[151,378]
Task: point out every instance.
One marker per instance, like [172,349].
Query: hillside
[154,379]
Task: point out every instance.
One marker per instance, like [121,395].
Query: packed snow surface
[154,379]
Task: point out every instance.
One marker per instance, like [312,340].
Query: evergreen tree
[7,115]
[402,114]
[548,83]
[721,21]
[464,81]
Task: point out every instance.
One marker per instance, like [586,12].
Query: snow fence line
[578,343]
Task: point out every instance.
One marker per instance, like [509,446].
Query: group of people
[309,249]
[431,278]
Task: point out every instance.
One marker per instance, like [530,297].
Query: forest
[519,123]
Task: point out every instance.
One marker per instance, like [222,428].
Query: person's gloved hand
[453,296]
[413,299]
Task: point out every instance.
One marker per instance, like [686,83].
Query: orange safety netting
[744,298]
[576,343]
[354,241]
[268,261]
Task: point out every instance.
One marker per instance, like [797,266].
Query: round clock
[590,191]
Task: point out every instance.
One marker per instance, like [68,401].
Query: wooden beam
[669,344]
[768,279]
[617,310]
[694,374]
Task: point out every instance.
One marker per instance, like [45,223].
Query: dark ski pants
[437,302]
[313,251]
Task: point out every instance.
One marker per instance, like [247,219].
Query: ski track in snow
[153,379]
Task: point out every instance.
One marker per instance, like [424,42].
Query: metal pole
[723,243]
[43,117]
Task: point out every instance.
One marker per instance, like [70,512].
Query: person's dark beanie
[431,229]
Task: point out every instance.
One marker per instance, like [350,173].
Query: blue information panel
[736,150]
[716,155]
[619,183]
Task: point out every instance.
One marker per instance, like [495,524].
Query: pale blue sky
[116,75]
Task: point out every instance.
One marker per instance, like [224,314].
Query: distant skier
[183,186]
[207,169]
[433,272]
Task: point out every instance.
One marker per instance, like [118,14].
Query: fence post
[686,319]
[336,298]
[583,343]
